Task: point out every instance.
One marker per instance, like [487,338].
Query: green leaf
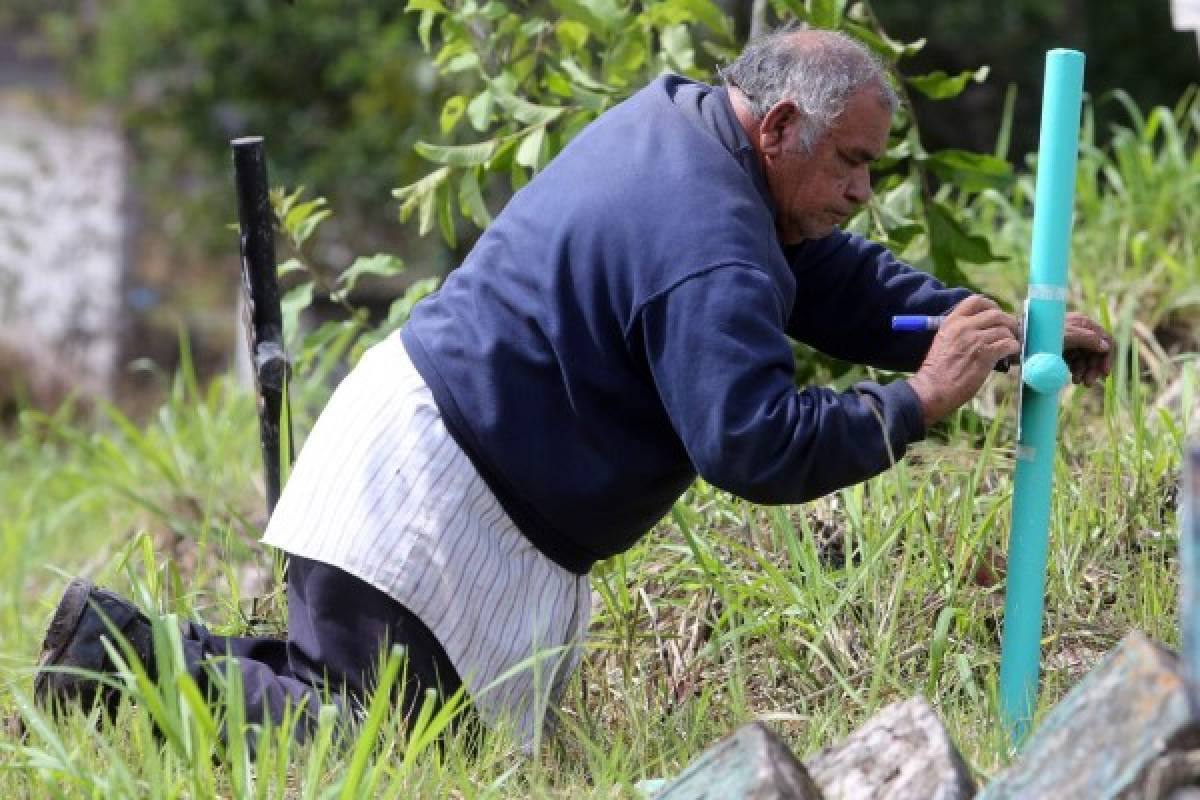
[898,201]
[461,63]
[557,84]
[308,226]
[383,264]
[425,28]
[401,308]
[938,646]
[495,10]
[826,13]
[455,43]
[677,44]
[425,5]
[609,12]
[575,123]
[719,53]
[593,102]
[293,302]
[972,172]
[600,15]
[534,28]
[522,68]
[517,176]
[888,216]
[502,159]
[505,81]
[470,199]
[479,110]
[582,77]
[710,15]
[572,35]
[426,207]
[456,155]
[950,243]
[525,112]
[445,214]
[411,196]
[283,202]
[940,86]
[625,60]
[529,154]
[452,112]
[298,213]
[290,266]
[899,237]
[899,149]
[882,44]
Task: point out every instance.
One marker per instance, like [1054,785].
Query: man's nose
[858,190]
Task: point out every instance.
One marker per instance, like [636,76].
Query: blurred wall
[63,249]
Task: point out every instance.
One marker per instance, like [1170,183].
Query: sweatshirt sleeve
[848,289]
[723,366]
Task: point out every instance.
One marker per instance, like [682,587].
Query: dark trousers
[338,629]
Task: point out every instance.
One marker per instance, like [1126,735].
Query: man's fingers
[1082,333]
[1090,373]
[996,318]
[975,304]
[1082,376]
[991,319]
[1086,339]
[1088,348]
[998,343]
[1088,368]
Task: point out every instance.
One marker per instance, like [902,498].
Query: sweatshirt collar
[731,134]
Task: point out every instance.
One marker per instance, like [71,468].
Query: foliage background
[1130,46]
[342,90]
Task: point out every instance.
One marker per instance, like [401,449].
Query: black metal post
[263,317]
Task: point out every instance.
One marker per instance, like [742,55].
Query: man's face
[815,191]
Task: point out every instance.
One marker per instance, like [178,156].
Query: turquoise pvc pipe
[1043,374]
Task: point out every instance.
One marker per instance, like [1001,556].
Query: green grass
[727,612]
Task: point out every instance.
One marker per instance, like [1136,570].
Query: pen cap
[915,322]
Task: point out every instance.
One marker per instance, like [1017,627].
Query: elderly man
[622,327]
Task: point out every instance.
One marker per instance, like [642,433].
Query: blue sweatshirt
[623,325]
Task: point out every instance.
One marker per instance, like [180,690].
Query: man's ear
[776,127]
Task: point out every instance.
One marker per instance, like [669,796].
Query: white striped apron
[382,491]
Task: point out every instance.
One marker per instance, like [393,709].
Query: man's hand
[974,336]
[1087,349]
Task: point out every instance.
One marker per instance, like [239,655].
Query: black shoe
[84,618]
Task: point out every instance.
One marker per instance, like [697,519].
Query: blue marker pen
[916,322]
[921,322]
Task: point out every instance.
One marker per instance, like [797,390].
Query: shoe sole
[61,630]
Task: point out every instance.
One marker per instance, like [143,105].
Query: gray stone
[753,763]
[902,753]
[1125,731]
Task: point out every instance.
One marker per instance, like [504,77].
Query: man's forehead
[863,142]
[862,129]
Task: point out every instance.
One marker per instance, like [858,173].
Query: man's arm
[717,353]
[848,289]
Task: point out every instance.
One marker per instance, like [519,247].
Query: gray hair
[817,70]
